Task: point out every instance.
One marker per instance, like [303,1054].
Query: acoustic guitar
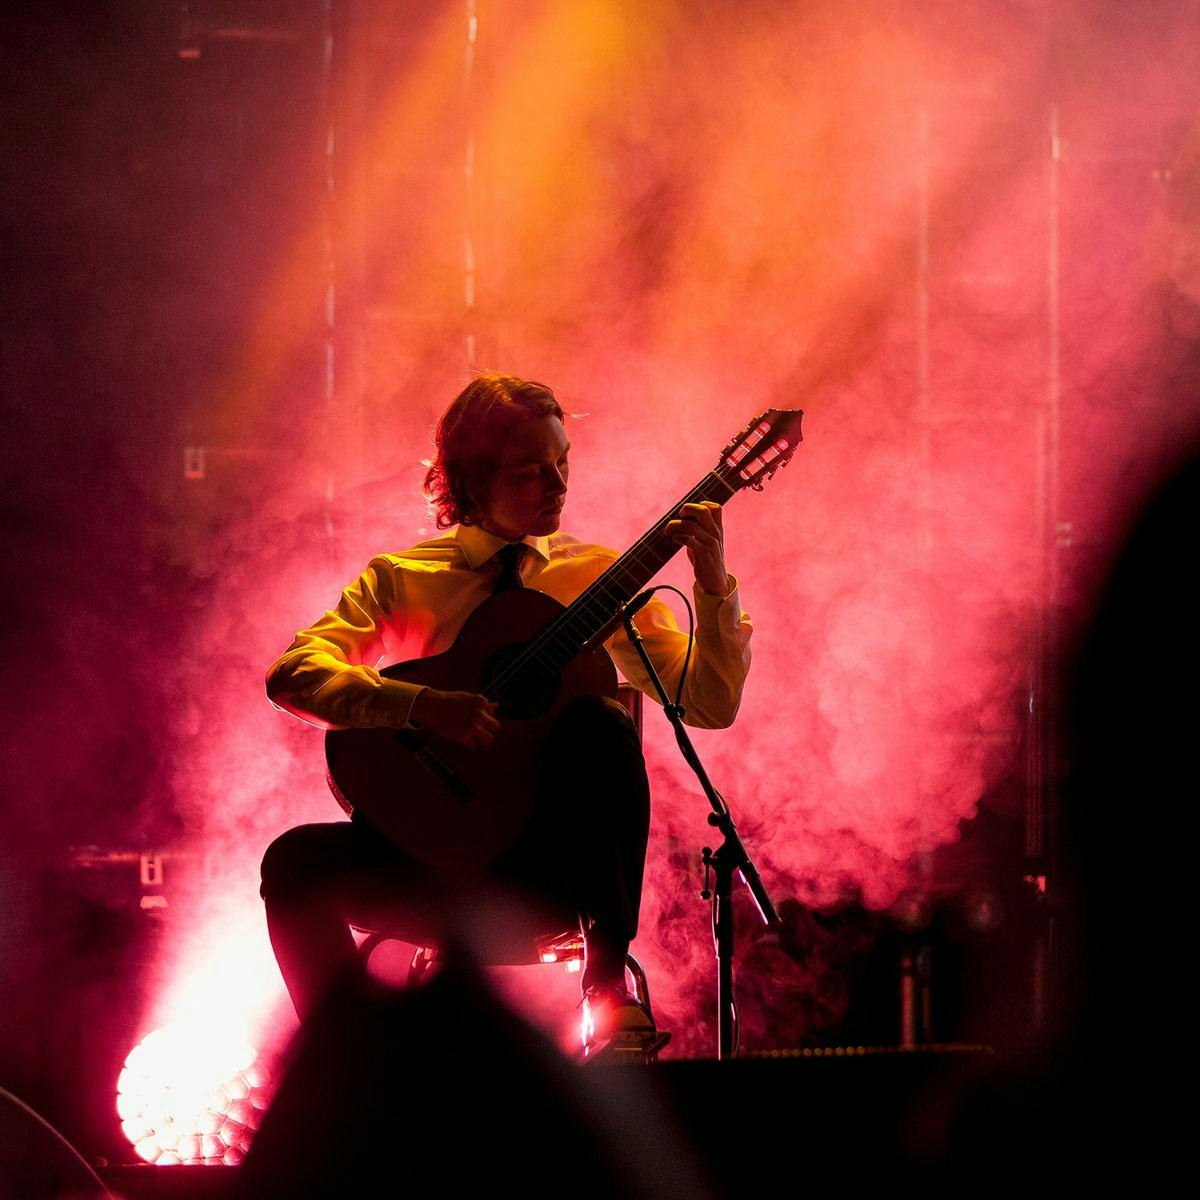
[459,809]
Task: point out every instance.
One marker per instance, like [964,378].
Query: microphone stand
[729,858]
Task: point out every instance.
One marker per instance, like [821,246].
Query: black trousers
[580,859]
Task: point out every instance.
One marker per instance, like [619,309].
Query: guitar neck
[592,616]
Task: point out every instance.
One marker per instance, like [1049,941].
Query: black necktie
[510,557]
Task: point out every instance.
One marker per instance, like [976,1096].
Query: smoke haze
[962,238]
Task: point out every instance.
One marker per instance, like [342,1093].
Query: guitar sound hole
[523,693]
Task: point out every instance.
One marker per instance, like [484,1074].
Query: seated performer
[500,478]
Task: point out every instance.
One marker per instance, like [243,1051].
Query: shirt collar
[478,545]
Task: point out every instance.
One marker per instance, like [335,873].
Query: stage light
[572,964]
[191,1096]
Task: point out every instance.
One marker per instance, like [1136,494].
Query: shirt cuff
[710,607]
[397,698]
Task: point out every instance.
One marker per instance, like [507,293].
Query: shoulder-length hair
[469,436]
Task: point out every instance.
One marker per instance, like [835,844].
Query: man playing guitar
[498,484]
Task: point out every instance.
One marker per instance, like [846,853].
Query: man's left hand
[698,527]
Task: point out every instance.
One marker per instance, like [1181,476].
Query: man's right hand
[464,717]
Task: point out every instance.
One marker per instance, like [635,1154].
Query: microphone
[636,604]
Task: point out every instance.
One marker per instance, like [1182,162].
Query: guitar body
[448,806]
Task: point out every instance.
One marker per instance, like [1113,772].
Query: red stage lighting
[191,1096]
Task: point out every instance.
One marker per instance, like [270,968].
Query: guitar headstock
[756,452]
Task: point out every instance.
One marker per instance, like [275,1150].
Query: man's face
[527,492]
